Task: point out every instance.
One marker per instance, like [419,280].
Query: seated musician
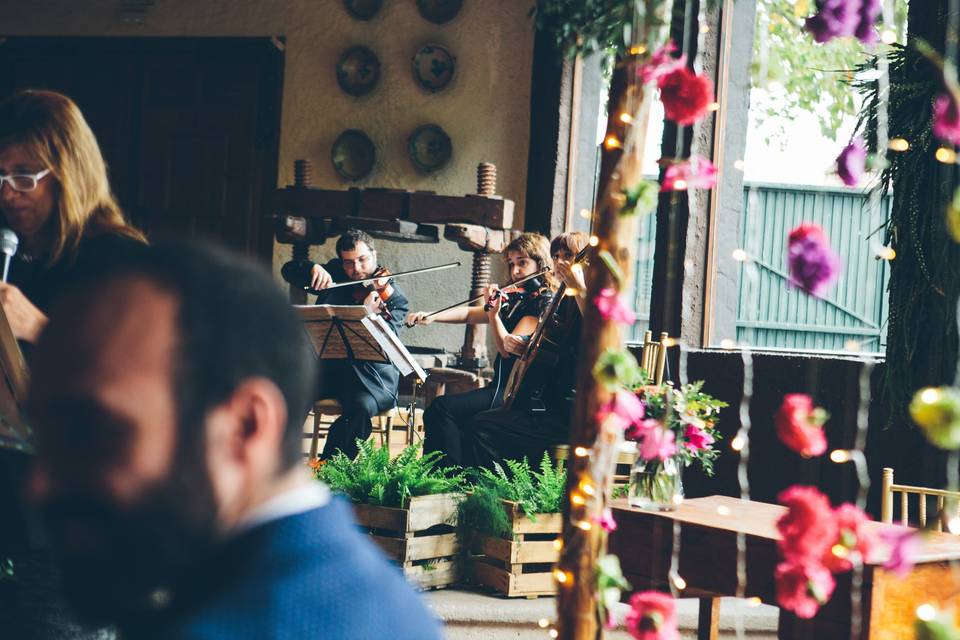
[539,416]
[362,388]
[512,319]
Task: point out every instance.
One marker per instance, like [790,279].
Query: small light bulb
[926,612]
[588,488]
[581,452]
[558,544]
[704,28]
[586,214]
[679,583]
[888,36]
[946,155]
[953,525]
[626,118]
[593,241]
[737,443]
[738,165]
[577,499]
[754,601]
[585,525]
[840,456]
[930,395]
[899,144]
[571,291]
[713,106]
[561,576]
[679,185]
[637,49]
[723,510]
[554,633]
[612,143]
[886,253]
[739,255]
[544,623]
[727,343]
[852,345]
[840,551]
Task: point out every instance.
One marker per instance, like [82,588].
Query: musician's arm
[398,306]
[457,315]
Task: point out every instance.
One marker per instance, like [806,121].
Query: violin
[381,285]
[521,288]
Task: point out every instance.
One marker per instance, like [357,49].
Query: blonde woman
[512,320]
[54,194]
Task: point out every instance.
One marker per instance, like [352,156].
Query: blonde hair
[537,248]
[571,241]
[50,127]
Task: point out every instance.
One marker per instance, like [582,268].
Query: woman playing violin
[512,315]
[362,388]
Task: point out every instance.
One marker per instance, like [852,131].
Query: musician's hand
[373,303]
[569,275]
[517,345]
[26,320]
[493,300]
[419,317]
[320,278]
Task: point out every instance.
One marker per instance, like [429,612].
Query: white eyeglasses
[24,181]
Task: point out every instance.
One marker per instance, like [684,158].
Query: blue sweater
[310,575]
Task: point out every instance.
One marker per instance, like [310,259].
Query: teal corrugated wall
[777,315]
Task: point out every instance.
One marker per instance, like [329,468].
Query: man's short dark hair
[233,323]
[348,240]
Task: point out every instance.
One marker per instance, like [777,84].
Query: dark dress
[448,416]
[362,388]
[533,425]
[26,610]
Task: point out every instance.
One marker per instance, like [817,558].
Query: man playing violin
[512,315]
[362,388]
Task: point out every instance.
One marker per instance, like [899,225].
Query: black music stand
[15,433]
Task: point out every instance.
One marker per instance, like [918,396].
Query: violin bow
[482,295]
[411,272]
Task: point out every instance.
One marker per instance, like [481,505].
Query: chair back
[941,495]
[653,358]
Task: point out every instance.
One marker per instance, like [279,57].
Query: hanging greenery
[924,283]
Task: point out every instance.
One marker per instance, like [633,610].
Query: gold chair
[653,357]
[889,488]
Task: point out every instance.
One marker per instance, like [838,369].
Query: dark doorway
[189,126]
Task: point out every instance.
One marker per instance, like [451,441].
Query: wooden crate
[420,538]
[522,567]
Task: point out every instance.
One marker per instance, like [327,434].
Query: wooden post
[614,238]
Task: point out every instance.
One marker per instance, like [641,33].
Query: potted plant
[407,504]
[511,521]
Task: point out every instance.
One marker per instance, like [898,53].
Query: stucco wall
[485,110]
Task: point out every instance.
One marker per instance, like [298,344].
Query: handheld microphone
[8,246]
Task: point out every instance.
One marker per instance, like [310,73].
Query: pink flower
[661,63]
[625,408]
[612,307]
[652,616]
[697,438]
[809,528]
[605,520]
[803,586]
[946,119]
[638,430]
[686,96]
[814,266]
[800,425]
[852,162]
[657,444]
[854,536]
[695,173]
[905,545]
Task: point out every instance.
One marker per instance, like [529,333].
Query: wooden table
[709,526]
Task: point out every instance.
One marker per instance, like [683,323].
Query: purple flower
[851,162]
[840,18]
[814,266]
[905,545]
[946,119]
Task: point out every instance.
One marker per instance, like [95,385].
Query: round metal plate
[353,155]
[434,67]
[358,71]
[429,147]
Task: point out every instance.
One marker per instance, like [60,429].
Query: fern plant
[373,478]
[535,492]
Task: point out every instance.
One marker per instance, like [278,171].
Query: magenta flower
[697,438]
[612,307]
[852,162]
[840,18]
[905,545]
[657,444]
[652,616]
[625,408]
[695,173]
[605,520]
[813,265]
[661,63]
[802,586]
[638,430]
[946,119]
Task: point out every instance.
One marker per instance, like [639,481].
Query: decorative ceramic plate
[353,155]
[358,71]
[363,9]
[429,148]
[433,67]
[439,11]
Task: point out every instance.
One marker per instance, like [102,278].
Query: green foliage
[618,368]
[373,478]
[641,198]
[587,26]
[535,491]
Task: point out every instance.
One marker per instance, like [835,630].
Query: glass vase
[656,485]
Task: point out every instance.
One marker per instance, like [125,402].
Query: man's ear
[260,418]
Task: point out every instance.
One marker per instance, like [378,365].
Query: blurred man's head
[168,399]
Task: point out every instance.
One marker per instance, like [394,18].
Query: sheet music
[391,345]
